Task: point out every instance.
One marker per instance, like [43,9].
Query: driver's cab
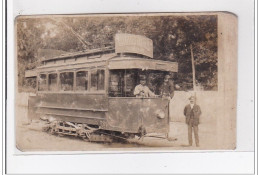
[122,82]
[134,58]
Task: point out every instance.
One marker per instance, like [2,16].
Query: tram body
[95,88]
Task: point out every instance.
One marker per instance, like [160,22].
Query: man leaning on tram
[167,88]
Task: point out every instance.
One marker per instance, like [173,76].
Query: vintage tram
[90,93]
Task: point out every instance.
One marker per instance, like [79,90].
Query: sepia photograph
[134,82]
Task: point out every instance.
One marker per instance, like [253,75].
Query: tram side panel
[116,114]
[79,108]
[129,114]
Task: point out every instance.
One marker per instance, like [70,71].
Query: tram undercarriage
[93,133]
[90,133]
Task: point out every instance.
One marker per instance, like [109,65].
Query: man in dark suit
[192,113]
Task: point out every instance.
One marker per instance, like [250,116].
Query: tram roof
[86,53]
[102,58]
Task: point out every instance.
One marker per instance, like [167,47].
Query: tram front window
[42,82]
[123,82]
[66,80]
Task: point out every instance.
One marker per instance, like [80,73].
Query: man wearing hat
[142,90]
[167,88]
[192,113]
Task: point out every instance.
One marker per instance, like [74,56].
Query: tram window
[42,82]
[66,80]
[82,81]
[116,83]
[53,82]
[130,82]
[155,80]
[97,80]
[122,83]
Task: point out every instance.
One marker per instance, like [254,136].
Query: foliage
[172,37]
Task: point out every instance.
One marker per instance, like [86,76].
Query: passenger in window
[167,88]
[142,90]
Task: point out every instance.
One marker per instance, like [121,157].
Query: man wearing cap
[192,113]
[167,88]
[142,90]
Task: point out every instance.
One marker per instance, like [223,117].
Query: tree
[28,42]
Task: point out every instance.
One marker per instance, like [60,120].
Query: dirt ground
[29,137]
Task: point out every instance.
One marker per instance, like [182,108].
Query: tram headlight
[160,114]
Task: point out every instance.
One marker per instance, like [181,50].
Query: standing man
[192,113]
[142,90]
[167,88]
